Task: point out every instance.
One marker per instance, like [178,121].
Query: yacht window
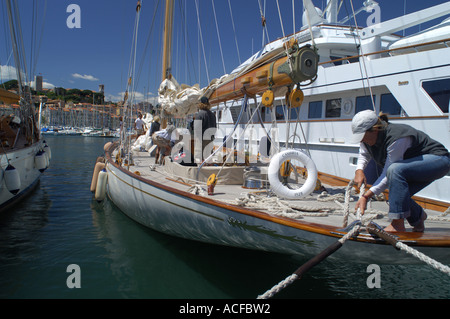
[439,91]
[279,112]
[390,105]
[315,110]
[333,58]
[263,113]
[364,103]
[333,108]
[235,110]
[294,113]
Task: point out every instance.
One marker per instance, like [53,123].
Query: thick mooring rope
[401,246]
[290,279]
[354,232]
[433,263]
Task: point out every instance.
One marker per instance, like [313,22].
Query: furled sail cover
[177,100]
[181,100]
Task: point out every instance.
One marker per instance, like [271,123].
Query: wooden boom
[300,65]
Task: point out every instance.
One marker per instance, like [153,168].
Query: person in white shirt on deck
[139,125]
[165,140]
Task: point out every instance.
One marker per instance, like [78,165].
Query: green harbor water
[60,224]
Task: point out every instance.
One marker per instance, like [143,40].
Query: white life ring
[347,106]
[278,187]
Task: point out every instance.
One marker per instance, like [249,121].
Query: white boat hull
[198,218]
[348,71]
[23,160]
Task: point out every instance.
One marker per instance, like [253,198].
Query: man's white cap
[361,123]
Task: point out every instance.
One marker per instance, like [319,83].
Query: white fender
[100,190]
[40,161]
[12,179]
[274,169]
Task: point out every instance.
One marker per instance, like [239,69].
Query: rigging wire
[188,46]
[281,19]
[27,108]
[36,57]
[21,46]
[15,45]
[234,30]
[130,84]
[264,23]
[363,57]
[201,40]
[33,34]
[218,37]
[147,43]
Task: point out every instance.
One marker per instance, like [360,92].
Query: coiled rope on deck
[300,209]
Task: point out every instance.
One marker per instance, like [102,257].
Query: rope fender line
[376,230]
[311,263]
[373,229]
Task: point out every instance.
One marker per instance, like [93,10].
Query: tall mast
[167,48]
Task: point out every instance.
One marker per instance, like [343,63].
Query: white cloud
[45,85]
[7,73]
[138,97]
[84,77]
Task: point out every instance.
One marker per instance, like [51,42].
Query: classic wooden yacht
[299,93]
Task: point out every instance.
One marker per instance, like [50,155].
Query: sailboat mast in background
[167,48]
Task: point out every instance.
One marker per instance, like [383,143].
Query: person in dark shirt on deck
[411,160]
[208,119]
[155,125]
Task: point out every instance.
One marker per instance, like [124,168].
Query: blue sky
[99,51]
